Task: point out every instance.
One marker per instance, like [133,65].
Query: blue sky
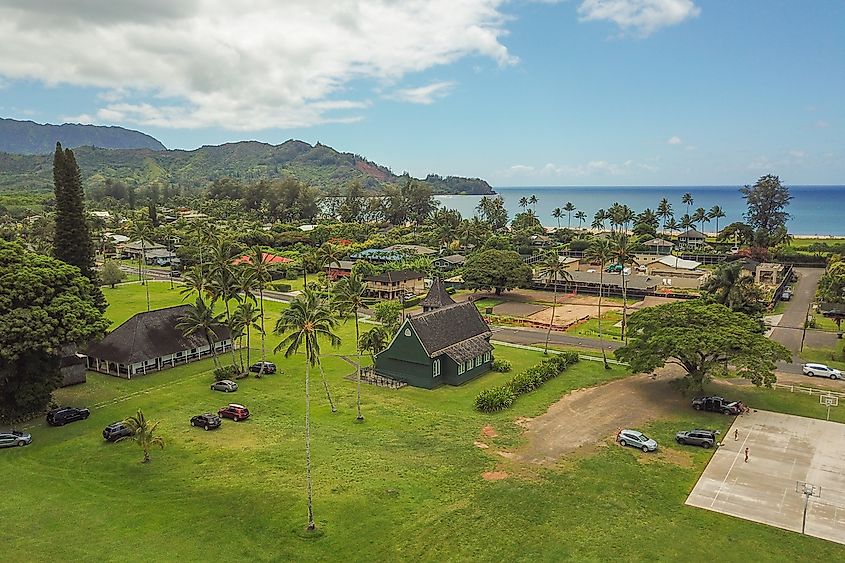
[579,92]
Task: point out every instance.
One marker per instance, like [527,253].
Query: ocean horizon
[814,210]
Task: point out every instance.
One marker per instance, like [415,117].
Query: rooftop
[457,331]
[396,276]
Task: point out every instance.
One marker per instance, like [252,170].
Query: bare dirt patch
[588,416]
[517,309]
[565,313]
[488,431]
[494,475]
[481,445]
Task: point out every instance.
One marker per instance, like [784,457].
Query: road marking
[741,449]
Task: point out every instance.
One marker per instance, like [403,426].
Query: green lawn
[482,304]
[403,486]
[590,328]
[833,358]
[823,323]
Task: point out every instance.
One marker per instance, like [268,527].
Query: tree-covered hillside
[28,137]
[319,166]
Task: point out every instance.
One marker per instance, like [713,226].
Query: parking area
[784,453]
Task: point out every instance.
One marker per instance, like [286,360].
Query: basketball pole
[806,502]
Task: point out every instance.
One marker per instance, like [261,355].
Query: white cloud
[821,124]
[589,169]
[797,153]
[424,94]
[642,16]
[675,140]
[242,65]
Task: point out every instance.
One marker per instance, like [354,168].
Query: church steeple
[437,297]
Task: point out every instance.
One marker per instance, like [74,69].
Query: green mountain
[319,165]
[28,137]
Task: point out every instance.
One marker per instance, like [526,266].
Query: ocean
[814,210]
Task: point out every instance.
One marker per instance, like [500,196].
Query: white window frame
[435,368]
[461,368]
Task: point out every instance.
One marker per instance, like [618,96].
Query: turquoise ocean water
[815,210]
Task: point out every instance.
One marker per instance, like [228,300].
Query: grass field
[590,328]
[833,358]
[404,485]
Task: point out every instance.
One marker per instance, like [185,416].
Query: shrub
[502,366]
[226,372]
[526,381]
[495,399]
[279,286]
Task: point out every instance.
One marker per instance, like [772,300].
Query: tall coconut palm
[729,285]
[569,208]
[686,221]
[523,202]
[328,254]
[599,219]
[626,215]
[223,283]
[687,200]
[581,216]
[195,281]
[141,230]
[552,270]
[201,319]
[716,213]
[374,340]
[671,225]
[533,201]
[143,434]
[699,217]
[601,252]
[260,271]
[557,213]
[664,212]
[621,248]
[307,320]
[348,298]
[246,319]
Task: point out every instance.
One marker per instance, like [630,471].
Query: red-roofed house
[266,258]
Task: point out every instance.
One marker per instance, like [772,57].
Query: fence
[787,279]
[808,390]
[369,376]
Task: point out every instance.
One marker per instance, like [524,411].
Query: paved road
[536,336]
[790,330]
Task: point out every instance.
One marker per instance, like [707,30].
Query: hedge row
[500,398]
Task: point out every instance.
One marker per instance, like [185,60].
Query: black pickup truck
[717,404]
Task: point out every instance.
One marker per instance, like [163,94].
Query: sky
[519,92]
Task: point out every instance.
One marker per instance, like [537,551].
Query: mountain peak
[29,137]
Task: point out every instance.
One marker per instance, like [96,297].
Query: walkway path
[790,330]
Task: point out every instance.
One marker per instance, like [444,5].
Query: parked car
[821,370]
[115,431]
[175,274]
[225,385]
[63,415]
[786,295]
[717,404]
[269,367]
[614,268]
[206,420]
[703,438]
[234,411]
[14,438]
[636,439]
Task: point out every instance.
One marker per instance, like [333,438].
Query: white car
[821,370]
[636,439]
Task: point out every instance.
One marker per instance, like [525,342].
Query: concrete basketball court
[783,450]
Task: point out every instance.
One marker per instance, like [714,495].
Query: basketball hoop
[807,490]
[829,401]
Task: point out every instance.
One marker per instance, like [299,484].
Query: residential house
[541,240]
[768,273]
[446,345]
[590,281]
[266,258]
[677,272]
[449,262]
[150,341]
[135,249]
[659,246]
[692,237]
[395,284]
[161,257]
[340,269]
[378,255]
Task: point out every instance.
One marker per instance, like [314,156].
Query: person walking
[746,455]
[736,434]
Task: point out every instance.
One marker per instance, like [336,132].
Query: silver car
[821,370]
[14,438]
[225,385]
[636,439]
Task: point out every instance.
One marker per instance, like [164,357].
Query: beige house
[676,272]
[396,284]
[768,273]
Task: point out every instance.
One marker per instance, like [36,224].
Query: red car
[235,412]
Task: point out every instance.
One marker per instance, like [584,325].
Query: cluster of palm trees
[568,208]
[687,221]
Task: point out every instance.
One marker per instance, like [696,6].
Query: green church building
[448,343]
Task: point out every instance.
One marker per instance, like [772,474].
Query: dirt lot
[589,416]
[517,309]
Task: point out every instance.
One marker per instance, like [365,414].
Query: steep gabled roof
[447,328]
[692,233]
[150,335]
[437,296]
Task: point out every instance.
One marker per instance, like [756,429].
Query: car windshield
[643,438]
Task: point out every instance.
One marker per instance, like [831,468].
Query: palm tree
[581,216]
[728,285]
[200,318]
[533,201]
[328,254]
[621,247]
[686,222]
[224,287]
[687,199]
[664,211]
[716,213]
[569,208]
[600,251]
[305,322]
[557,214]
[349,297]
[194,281]
[523,202]
[700,217]
[626,215]
[245,319]
[598,219]
[375,340]
[260,272]
[671,225]
[141,230]
[204,235]
[143,433]
[553,270]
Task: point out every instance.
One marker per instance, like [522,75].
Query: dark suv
[63,415]
[269,367]
[235,412]
[703,438]
[206,420]
[717,404]
[115,431]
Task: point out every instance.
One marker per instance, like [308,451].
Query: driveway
[790,330]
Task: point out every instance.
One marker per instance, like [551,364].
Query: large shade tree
[307,320]
[701,338]
[499,270]
[45,305]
